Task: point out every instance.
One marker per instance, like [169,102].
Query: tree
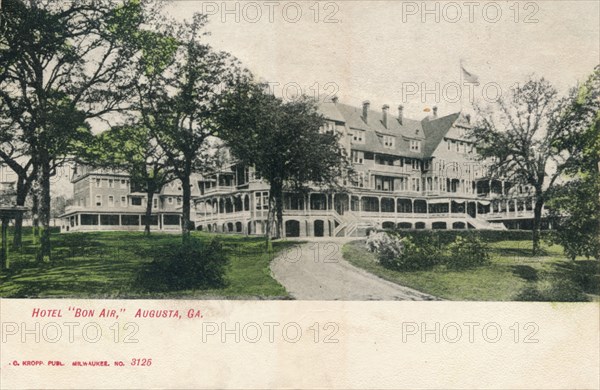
[178,95]
[61,65]
[134,150]
[283,141]
[575,205]
[519,137]
[16,158]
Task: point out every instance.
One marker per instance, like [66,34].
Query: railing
[219,189]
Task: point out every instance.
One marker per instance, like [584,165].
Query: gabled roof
[430,130]
[435,130]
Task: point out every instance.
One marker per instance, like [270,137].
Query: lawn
[512,268]
[108,264]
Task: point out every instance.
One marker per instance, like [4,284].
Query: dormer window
[415,145]
[328,127]
[358,136]
[389,141]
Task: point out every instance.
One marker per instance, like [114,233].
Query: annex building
[410,174]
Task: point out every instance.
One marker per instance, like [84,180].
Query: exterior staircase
[350,225]
[481,224]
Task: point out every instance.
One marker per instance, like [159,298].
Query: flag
[469,77]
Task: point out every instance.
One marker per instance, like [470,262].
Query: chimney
[385,110]
[334,99]
[400,113]
[435,111]
[366,105]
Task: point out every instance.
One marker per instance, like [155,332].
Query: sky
[401,52]
[393,52]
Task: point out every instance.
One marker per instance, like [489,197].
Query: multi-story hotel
[104,199]
[410,174]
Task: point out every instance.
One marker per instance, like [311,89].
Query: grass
[106,265]
[512,268]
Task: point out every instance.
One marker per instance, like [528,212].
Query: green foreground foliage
[511,274]
[125,265]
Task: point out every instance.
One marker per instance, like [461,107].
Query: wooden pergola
[6,214]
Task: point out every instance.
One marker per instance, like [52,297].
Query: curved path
[317,271]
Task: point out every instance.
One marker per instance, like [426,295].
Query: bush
[406,254]
[552,290]
[193,265]
[419,255]
[467,252]
[387,247]
[425,250]
[448,236]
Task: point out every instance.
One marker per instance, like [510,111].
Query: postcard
[299,194]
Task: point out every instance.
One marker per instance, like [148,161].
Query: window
[170,200]
[136,201]
[98,200]
[416,184]
[415,165]
[389,141]
[124,201]
[357,157]
[98,183]
[415,145]
[448,143]
[358,136]
[111,200]
[178,201]
[123,183]
[328,127]
[384,160]
[261,200]
[384,183]
[155,203]
[111,183]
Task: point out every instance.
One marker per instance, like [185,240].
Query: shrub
[193,265]
[552,290]
[387,247]
[448,236]
[405,254]
[418,255]
[467,252]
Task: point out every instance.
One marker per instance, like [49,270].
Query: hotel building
[410,174]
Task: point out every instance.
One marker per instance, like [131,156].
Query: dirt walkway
[317,271]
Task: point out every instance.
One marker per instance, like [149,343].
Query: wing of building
[410,174]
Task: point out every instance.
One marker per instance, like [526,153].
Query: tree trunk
[22,190]
[278,196]
[35,206]
[186,210]
[537,223]
[150,197]
[270,220]
[44,249]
